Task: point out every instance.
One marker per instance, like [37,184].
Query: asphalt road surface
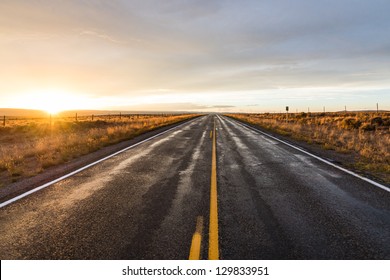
[153,202]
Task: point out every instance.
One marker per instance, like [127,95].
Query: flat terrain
[274,202]
[32,146]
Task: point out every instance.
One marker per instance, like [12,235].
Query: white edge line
[12,200]
[314,156]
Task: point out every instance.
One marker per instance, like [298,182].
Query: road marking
[213,227]
[88,166]
[314,156]
[196,240]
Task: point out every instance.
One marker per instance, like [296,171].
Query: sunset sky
[206,55]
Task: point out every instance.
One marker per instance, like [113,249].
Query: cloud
[185,106]
[99,35]
[223,106]
[124,48]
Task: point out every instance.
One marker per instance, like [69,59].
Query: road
[153,202]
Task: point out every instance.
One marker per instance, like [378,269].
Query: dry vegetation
[364,134]
[29,146]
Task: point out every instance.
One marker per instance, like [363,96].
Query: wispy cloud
[102,36]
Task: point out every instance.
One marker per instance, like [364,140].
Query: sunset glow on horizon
[52,101]
[247,56]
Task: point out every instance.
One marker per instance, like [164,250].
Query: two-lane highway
[153,202]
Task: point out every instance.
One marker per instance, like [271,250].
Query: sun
[52,105]
[52,101]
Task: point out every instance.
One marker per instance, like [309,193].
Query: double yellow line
[213,223]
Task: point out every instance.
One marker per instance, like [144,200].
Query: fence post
[4,121]
[76,118]
[287,113]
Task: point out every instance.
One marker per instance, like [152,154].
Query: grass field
[366,135]
[29,146]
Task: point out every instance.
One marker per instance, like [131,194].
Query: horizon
[203,56]
[36,113]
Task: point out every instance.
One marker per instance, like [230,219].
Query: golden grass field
[29,146]
[366,135]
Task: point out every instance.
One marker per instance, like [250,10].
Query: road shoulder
[345,160]
[20,187]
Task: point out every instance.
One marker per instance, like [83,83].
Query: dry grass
[367,135]
[29,146]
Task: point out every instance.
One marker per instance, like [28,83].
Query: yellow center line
[196,240]
[213,227]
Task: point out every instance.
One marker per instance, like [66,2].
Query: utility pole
[377,108]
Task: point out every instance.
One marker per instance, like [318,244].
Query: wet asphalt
[273,203]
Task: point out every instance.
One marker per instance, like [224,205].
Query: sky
[200,55]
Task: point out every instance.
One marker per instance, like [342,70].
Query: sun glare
[52,101]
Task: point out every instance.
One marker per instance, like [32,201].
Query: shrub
[367,127]
[350,123]
[377,121]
